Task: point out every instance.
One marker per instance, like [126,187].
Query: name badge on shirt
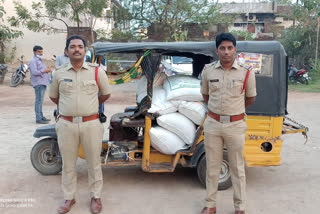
[67,80]
[214,80]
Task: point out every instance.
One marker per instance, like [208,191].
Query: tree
[6,33]
[170,16]
[301,41]
[43,13]
[242,35]
[313,6]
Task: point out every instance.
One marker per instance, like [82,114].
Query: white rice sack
[180,125]
[195,111]
[159,103]
[176,103]
[141,90]
[182,87]
[165,141]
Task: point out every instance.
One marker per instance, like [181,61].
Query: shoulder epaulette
[246,66]
[210,64]
[92,64]
[62,67]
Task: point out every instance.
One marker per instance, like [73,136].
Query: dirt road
[291,188]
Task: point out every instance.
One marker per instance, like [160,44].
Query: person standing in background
[40,80]
[62,59]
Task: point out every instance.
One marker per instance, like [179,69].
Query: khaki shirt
[77,90]
[224,88]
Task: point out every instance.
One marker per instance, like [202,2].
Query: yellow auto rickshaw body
[263,146]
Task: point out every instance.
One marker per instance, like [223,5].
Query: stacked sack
[178,101]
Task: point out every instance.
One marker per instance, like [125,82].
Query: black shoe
[45,119]
[42,122]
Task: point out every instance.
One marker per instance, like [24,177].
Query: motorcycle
[20,73]
[3,71]
[300,76]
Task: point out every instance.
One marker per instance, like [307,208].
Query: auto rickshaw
[129,140]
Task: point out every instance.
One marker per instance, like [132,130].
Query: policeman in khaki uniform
[227,97]
[75,90]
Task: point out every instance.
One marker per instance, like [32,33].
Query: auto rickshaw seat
[116,119]
[140,122]
[130,108]
[124,120]
[122,128]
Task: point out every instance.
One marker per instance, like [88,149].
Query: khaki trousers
[89,134]
[232,135]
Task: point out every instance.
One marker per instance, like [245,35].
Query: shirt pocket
[66,87]
[236,87]
[214,85]
[90,87]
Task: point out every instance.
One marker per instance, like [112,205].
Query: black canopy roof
[203,48]
[271,90]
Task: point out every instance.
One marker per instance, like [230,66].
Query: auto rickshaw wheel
[224,177]
[45,157]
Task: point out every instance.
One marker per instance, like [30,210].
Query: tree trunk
[317,39]
[92,36]
[1,46]
[78,23]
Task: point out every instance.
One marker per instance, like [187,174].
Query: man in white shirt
[62,59]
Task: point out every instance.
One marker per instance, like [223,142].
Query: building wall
[262,19]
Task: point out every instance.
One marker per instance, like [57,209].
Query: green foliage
[299,44]
[101,34]
[121,36]
[312,5]
[314,73]
[6,33]
[283,1]
[180,36]
[5,58]
[2,11]
[35,20]
[316,67]
[44,12]
[241,35]
[2,58]
[171,16]
[300,40]
[121,14]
